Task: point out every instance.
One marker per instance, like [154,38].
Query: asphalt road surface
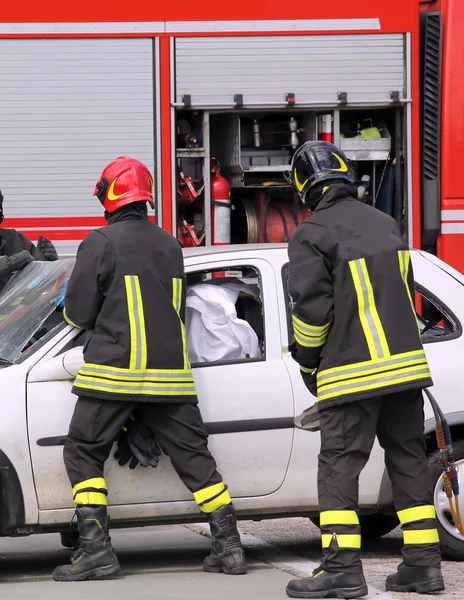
[165,563]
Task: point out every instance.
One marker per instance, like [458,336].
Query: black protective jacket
[12,242]
[127,290]
[352,285]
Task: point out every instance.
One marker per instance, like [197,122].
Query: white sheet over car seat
[214,332]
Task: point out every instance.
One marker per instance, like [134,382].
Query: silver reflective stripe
[140,375]
[137,324]
[145,387]
[371,383]
[393,362]
[309,329]
[367,309]
[309,342]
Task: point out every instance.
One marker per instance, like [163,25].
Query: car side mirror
[63,367]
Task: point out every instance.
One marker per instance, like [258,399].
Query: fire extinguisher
[221,206]
[325,128]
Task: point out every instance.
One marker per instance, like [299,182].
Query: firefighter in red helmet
[128,291]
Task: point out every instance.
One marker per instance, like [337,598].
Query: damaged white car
[249,387]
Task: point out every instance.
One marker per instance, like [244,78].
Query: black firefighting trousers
[178,430]
[347,435]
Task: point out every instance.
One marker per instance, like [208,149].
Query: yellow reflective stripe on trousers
[212,497]
[404,259]
[367,367]
[90,491]
[86,498]
[417,513]
[343,540]
[177,303]
[138,353]
[370,322]
[374,382]
[421,536]
[339,517]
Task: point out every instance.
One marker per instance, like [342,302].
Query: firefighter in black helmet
[357,341]
[128,291]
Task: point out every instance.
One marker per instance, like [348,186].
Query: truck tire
[372,526]
[451,541]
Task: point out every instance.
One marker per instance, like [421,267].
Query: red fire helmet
[123,181]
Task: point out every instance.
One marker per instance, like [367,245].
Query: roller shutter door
[68,107]
[314,67]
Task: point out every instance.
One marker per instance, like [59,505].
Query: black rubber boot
[422,580]
[95,557]
[328,585]
[227,555]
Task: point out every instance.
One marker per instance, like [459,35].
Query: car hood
[27,301]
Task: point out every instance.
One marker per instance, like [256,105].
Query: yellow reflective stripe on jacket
[374,382]
[138,353]
[404,259]
[372,327]
[343,540]
[68,320]
[89,369]
[177,303]
[136,388]
[417,513]
[339,517]
[421,536]
[309,336]
[346,372]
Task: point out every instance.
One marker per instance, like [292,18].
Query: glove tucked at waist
[15,262]
[46,249]
[137,445]
[309,419]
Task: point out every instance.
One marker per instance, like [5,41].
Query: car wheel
[70,539]
[372,526]
[451,541]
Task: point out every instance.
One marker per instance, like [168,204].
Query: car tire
[452,545]
[372,526]
[70,539]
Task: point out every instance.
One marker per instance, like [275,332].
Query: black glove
[16,262]
[138,445]
[310,381]
[46,249]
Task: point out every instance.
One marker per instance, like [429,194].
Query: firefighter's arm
[84,292]
[311,290]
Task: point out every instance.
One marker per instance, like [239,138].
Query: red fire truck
[216,103]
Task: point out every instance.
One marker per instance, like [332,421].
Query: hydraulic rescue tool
[309,421]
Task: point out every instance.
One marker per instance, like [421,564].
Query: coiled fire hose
[449,470]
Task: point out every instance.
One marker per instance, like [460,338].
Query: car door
[247,406]
[439,304]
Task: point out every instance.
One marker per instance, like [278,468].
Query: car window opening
[225,316]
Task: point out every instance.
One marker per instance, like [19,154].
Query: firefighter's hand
[18,261]
[46,249]
[310,381]
[138,445]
